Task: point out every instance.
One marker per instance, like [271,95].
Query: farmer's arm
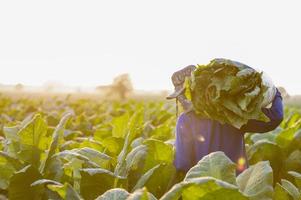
[275,113]
[183,144]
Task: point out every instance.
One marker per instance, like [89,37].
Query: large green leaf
[134,164]
[292,119]
[154,153]
[114,194]
[90,143]
[144,157]
[134,128]
[157,180]
[72,170]
[267,151]
[205,188]
[141,194]
[95,156]
[292,189]
[134,158]
[285,137]
[121,194]
[11,160]
[162,132]
[33,140]
[269,137]
[293,162]
[90,156]
[112,145]
[20,184]
[48,194]
[142,181]
[216,165]
[120,125]
[120,169]
[297,177]
[65,191]
[281,193]
[6,172]
[56,140]
[95,182]
[257,181]
[34,133]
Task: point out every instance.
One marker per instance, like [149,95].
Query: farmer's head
[178,79]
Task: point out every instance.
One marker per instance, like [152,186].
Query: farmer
[197,137]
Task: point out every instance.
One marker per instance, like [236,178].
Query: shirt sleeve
[183,144]
[275,114]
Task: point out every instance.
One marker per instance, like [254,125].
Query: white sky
[86,43]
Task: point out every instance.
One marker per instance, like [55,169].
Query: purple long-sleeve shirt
[197,137]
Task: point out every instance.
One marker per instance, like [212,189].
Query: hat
[178,79]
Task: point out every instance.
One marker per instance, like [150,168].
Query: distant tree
[120,88]
[283,92]
[122,85]
[19,87]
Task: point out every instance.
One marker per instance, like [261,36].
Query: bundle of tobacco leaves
[227,91]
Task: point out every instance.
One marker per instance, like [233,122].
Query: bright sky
[86,43]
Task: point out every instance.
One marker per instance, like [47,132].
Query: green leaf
[33,140]
[216,165]
[34,133]
[137,142]
[292,120]
[292,190]
[162,132]
[141,194]
[45,182]
[90,156]
[135,156]
[48,194]
[114,194]
[144,157]
[90,143]
[281,193]
[134,164]
[134,129]
[6,172]
[267,151]
[142,181]
[95,182]
[65,191]
[95,156]
[72,169]
[120,169]
[297,177]
[120,125]
[113,145]
[284,138]
[268,137]
[157,180]
[56,140]
[20,184]
[154,153]
[204,188]
[257,181]
[293,162]
[11,160]
[11,133]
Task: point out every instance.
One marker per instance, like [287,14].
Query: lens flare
[201,138]
[241,164]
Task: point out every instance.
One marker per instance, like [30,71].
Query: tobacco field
[89,149]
